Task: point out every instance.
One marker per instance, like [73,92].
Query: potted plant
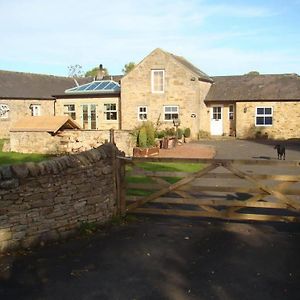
[145,141]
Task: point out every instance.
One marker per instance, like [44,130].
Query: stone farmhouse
[162,87]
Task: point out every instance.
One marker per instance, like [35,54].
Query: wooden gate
[260,190]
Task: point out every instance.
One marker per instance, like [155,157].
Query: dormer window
[157,81]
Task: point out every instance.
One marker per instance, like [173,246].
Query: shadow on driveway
[162,258]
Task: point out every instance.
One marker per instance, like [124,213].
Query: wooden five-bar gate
[260,190]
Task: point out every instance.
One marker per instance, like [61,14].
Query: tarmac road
[166,258]
[162,258]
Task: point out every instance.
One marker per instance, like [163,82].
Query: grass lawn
[8,158]
[153,166]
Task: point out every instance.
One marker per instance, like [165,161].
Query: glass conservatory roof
[99,86]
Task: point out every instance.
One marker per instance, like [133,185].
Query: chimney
[100,73]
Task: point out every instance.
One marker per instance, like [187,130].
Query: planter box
[145,152]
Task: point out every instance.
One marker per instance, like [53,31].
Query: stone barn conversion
[29,95]
[161,88]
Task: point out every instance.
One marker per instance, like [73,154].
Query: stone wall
[286,120]
[68,141]
[51,199]
[20,108]
[182,88]
[101,120]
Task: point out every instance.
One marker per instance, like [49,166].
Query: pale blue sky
[220,37]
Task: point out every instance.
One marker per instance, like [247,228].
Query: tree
[75,71]
[253,73]
[128,67]
[93,72]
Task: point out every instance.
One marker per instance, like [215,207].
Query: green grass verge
[9,158]
[158,166]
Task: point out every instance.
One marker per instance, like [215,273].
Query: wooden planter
[145,152]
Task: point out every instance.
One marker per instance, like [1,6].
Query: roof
[50,124]
[183,62]
[255,87]
[201,75]
[96,87]
[116,78]
[18,85]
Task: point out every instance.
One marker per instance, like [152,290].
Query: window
[69,109]
[157,81]
[4,109]
[35,109]
[89,116]
[231,112]
[171,112]
[142,113]
[110,111]
[264,116]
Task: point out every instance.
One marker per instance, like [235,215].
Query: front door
[216,122]
[89,116]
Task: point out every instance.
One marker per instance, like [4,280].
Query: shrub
[144,135]
[179,133]
[160,134]
[187,132]
[142,138]
[170,131]
[150,132]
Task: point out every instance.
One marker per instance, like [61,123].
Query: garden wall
[68,141]
[50,200]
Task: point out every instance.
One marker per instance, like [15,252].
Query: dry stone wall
[50,200]
[68,141]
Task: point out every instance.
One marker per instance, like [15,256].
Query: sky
[220,37]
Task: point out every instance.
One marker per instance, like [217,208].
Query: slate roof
[50,124]
[201,75]
[18,85]
[255,87]
[116,78]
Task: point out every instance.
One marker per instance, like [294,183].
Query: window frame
[142,113]
[263,115]
[171,113]
[5,116]
[69,112]
[110,111]
[38,106]
[153,81]
[231,113]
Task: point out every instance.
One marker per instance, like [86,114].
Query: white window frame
[172,113]
[89,116]
[35,110]
[142,113]
[263,115]
[4,115]
[153,90]
[231,113]
[69,112]
[108,111]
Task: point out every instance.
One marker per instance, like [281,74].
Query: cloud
[60,33]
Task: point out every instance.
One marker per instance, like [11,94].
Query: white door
[216,122]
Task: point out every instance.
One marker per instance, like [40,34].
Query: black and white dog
[280,151]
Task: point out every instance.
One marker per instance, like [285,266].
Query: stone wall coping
[11,174]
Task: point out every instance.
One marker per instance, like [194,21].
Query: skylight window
[100,86]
